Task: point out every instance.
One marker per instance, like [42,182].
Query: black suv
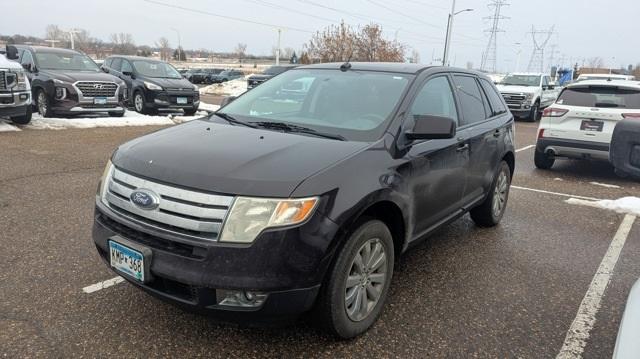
[255,80]
[68,82]
[224,76]
[284,202]
[153,84]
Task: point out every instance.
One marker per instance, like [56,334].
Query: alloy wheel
[500,194]
[138,103]
[42,103]
[366,280]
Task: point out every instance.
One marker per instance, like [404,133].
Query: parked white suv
[528,93]
[580,123]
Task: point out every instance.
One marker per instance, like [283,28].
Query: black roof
[58,50]
[131,57]
[398,67]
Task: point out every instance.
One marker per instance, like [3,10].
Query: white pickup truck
[527,94]
[15,92]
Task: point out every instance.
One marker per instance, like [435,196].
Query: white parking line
[554,193]
[578,334]
[102,285]
[525,148]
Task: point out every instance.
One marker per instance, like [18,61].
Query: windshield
[156,69]
[65,61]
[521,80]
[600,96]
[275,70]
[356,105]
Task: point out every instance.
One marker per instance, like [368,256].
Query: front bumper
[14,103]
[573,148]
[74,102]
[169,99]
[286,264]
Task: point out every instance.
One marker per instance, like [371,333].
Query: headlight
[152,86]
[250,216]
[20,80]
[103,185]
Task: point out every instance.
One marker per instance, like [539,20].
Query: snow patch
[629,205]
[7,127]
[558,179]
[604,185]
[230,88]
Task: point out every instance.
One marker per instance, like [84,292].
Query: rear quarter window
[600,97]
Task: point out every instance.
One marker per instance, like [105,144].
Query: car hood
[231,159]
[169,83]
[517,89]
[73,76]
[7,64]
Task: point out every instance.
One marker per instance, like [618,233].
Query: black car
[255,80]
[68,82]
[280,204]
[154,84]
[195,76]
[211,74]
[224,76]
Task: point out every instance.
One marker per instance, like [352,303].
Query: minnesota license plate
[181,100]
[100,101]
[127,260]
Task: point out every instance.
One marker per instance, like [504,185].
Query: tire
[332,311]
[138,103]
[543,161]
[534,114]
[43,104]
[191,111]
[24,119]
[116,114]
[490,211]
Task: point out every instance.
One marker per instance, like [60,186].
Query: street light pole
[447,41]
[180,51]
[278,49]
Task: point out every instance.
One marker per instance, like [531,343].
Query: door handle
[462,147]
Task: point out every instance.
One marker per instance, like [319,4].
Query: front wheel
[43,104]
[490,212]
[535,112]
[352,298]
[24,119]
[116,114]
[190,111]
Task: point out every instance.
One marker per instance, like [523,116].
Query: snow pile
[630,205]
[604,185]
[130,118]
[230,88]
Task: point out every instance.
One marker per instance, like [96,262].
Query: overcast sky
[584,29]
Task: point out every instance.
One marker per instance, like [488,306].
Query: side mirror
[227,100]
[129,73]
[429,127]
[12,52]
[27,67]
[105,70]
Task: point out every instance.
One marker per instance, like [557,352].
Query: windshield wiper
[233,120]
[286,127]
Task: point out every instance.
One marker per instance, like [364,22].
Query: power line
[280,7]
[420,21]
[490,56]
[202,12]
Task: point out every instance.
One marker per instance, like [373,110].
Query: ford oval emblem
[144,199]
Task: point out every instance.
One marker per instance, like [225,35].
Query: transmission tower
[490,57]
[536,64]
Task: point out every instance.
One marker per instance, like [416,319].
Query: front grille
[188,213]
[3,81]
[97,89]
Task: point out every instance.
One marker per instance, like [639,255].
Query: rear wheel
[353,297]
[490,212]
[542,160]
[24,119]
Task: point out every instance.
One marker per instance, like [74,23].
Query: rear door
[593,111]
[548,94]
[479,132]
[438,167]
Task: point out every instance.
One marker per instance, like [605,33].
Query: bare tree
[370,46]
[595,62]
[240,51]
[123,44]
[165,48]
[53,32]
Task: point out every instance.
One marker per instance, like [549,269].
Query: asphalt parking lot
[510,291]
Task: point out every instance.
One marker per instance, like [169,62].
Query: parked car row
[270,72]
[211,75]
[67,82]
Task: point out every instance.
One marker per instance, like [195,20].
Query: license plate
[592,126]
[181,100]
[127,260]
[100,101]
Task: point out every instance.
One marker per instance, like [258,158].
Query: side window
[435,98]
[545,80]
[471,100]
[116,63]
[495,99]
[126,66]
[107,62]
[27,58]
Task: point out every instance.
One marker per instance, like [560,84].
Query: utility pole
[180,51]
[536,63]
[278,49]
[447,42]
[71,37]
[52,42]
[519,53]
[490,58]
